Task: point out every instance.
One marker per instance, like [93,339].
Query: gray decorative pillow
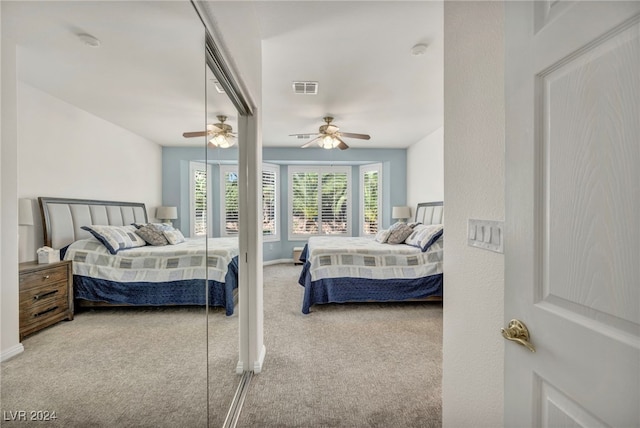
[152,235]
[173,236]
[399,234]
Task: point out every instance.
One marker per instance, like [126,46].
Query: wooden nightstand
[46,295]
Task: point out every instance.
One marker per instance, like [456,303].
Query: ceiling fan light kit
[221,133]
[330,137]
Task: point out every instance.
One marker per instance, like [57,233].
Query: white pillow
[382,236]
[423,235]
[173,236]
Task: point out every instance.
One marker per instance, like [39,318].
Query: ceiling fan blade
[352,135]
[195,134]
[342,145]
[304,146]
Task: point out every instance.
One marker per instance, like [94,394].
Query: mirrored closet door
[222,247]
[105,94]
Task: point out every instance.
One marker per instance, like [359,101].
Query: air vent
[308,88]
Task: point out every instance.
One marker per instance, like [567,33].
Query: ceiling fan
[330,137]
[221,134]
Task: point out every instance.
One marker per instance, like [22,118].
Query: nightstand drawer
[43,295]
[44,276]
[45,313]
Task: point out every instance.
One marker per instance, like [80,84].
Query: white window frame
[293,169]
[376,167]
[275,169]
[193,167]
[224,169]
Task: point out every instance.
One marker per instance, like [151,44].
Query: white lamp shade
[25,212]
[401,212]
[167,213]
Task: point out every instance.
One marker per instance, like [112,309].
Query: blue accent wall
[175,183]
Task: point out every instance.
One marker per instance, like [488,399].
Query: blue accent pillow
[423,236]
[116,238]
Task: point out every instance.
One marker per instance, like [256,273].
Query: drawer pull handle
[45,277]
[43,295]
[39,314]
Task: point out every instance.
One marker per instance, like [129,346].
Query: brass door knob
[516,331]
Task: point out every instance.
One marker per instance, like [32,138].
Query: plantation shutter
[231,203]
[371,201]
[333,217]
[269,202]
[200,202]
[305,203]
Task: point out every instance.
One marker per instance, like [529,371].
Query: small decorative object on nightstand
[46,295]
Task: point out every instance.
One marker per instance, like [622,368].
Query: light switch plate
[487,234]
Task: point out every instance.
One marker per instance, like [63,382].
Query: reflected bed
[141,276]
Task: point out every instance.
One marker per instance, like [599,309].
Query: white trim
[257,364]
[377,167]
[199,166]
[11,352]
[320,170]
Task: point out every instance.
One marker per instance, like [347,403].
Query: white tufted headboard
[63,218]
[430,212]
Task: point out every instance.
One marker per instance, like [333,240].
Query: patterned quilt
[168,263]
[362,257]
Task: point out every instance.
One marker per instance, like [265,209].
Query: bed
[361,269]
[143,275]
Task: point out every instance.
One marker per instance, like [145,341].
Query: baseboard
[257,365]
[11,352]
[277,262]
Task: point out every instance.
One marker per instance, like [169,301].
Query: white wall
[9,341]
[472,389]
[64,151]
[425,169]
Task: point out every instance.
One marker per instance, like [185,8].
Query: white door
[572,232]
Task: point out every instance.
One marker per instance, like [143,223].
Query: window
[200,206]
[318,201]
[370,199]
[229,204]
[270,208]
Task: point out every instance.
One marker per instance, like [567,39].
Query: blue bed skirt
[184,292]
[342,290]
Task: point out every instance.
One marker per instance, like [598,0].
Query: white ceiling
[148,74]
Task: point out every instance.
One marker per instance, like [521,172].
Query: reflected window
[200,204]
[229,203]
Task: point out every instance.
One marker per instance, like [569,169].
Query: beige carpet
[352,365]
[345,365]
